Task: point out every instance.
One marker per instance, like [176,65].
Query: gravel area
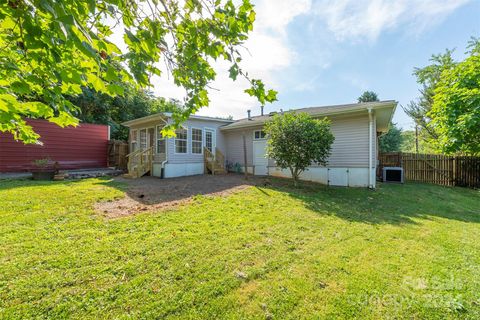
[149,193]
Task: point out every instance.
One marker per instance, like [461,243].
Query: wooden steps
[140,163]
[214,163]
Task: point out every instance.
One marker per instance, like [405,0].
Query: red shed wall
[84,146]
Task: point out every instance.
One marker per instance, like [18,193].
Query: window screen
[197,141]
[181,140]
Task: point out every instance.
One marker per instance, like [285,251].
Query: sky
[317,52]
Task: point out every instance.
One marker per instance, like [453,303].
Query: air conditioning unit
[393,174]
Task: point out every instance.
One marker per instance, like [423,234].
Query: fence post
[454,171]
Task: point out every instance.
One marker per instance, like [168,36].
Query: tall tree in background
[428,77]
[101,108]
[455,111]
[368,96]
[392,140]
[51,49]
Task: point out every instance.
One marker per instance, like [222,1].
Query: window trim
[156,140]
[175,142]
[191,140]
[264,137]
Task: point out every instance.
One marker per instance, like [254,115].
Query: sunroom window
[197,139]
[143,139]
[133,140]
[181,140]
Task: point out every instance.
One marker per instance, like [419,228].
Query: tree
[428,77]
[96,107]
[409,144]
[455,111]
[368,96]
[51,49]
[295,140]
[392,140]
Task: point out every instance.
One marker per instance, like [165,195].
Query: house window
[181,140]
[197,141]
[259,134]
[161,147]
[143,139]
[133,140]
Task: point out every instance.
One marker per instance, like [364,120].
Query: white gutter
[370,149]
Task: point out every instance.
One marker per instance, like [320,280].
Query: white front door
[260,160]
[210,140]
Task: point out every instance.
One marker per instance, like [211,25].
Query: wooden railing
[219,158]
[213,163]
[117,154]
[140,162]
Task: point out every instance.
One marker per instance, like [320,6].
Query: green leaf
[111,74]
[20,87]
[115,89]
[67,19]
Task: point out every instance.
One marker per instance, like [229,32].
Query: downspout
[370,149]
[164,162]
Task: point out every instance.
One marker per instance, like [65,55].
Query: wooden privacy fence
[117,154]
[443,170]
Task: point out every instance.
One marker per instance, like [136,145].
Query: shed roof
[164,115]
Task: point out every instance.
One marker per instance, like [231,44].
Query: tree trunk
[294,173]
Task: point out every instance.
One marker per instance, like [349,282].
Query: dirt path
[149,193]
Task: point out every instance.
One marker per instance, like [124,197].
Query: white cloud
[367,19]
[277,14]
[267,52]
[354,80]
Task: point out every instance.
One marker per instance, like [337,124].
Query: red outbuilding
[81,147]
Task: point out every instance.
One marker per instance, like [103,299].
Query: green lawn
[403,251]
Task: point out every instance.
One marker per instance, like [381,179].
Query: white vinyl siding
[349,150]
[234,145]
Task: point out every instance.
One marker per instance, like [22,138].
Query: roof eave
[157,116]
[166,115]
[367,106]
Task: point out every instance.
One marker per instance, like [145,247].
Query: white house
[352,162]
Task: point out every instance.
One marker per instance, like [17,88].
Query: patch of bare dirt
[151,193]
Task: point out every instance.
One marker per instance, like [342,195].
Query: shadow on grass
[6,184]
[389,203]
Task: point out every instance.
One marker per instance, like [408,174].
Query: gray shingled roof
[313,111]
